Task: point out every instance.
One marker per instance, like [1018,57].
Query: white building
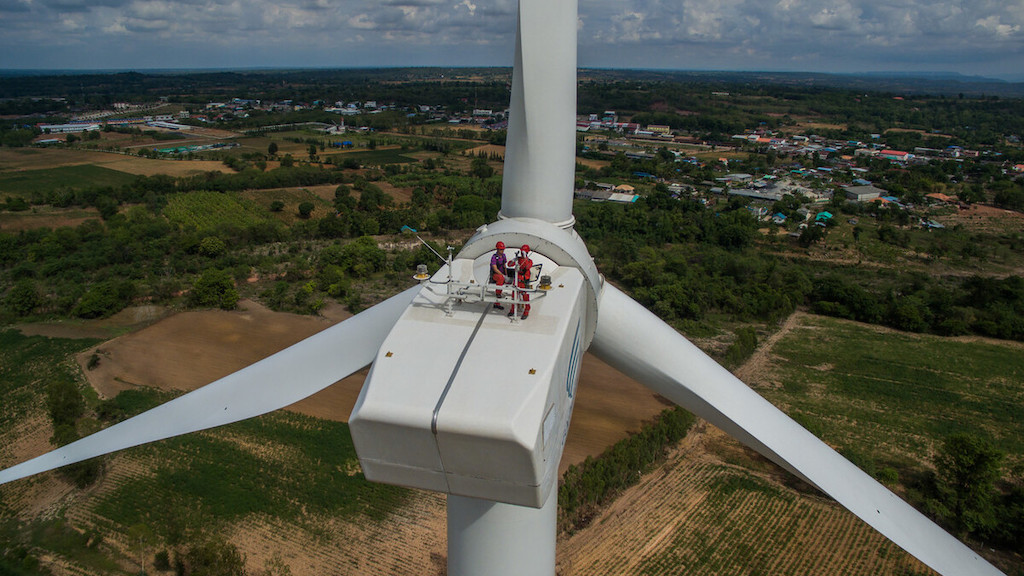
[68,128]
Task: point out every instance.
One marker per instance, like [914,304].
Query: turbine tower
[438,412]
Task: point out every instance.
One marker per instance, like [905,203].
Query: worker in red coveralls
[524,267]
[498,262]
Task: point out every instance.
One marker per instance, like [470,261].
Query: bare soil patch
[151,167]
[756,367]
[324,191]
[922,132]
[805,125]
[591,163]
[487,150]
[984,218]
[129,319]
[212,132]
[46,217]
[399,194]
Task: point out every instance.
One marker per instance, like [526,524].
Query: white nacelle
[464,400]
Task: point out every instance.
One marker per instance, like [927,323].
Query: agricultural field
[29,159]
[883,398]
[379,157]
[712,508]
[26,183]
[24,363]
[701,515]
[207,211]
[895,395]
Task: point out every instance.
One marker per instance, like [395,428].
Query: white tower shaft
[541,145]
[494,539]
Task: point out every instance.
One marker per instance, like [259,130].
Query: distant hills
[898,83]
[938,83]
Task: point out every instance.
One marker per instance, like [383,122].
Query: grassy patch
[390,156]
[29,182]
[282,465]
[26,364]
[727,485]
[899,393]
[57,536]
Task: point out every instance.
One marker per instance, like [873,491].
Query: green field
[28,182]
[893,396]
[208,211]
[27,363]
[283,465]
[376,157]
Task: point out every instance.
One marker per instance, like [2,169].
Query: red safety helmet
[526,248]
[500,245]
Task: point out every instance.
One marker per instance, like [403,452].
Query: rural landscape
[851,249]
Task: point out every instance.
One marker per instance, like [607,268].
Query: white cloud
[468,5]
[993,24]
[826,35]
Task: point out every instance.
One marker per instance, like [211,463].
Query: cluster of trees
[587,487]
[65,405]
[966,492]
[19,561]
[98,268]
[695,108]
[14,137]
[981,305]
[685,262]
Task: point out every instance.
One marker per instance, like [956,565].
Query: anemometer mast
[540,153]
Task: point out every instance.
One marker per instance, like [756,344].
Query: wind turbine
[463,400]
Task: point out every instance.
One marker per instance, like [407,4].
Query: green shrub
[162,561]
[214,288]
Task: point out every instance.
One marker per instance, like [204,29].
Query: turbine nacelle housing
[464,400]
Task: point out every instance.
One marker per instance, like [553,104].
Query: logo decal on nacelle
[574,363]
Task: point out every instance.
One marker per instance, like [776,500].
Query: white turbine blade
[277,381]
[640,345]
[540,150]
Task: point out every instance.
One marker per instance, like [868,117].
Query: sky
[972,37]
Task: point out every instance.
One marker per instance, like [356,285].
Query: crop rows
[210,211]
[703,518]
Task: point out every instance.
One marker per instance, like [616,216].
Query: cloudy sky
[975,37]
